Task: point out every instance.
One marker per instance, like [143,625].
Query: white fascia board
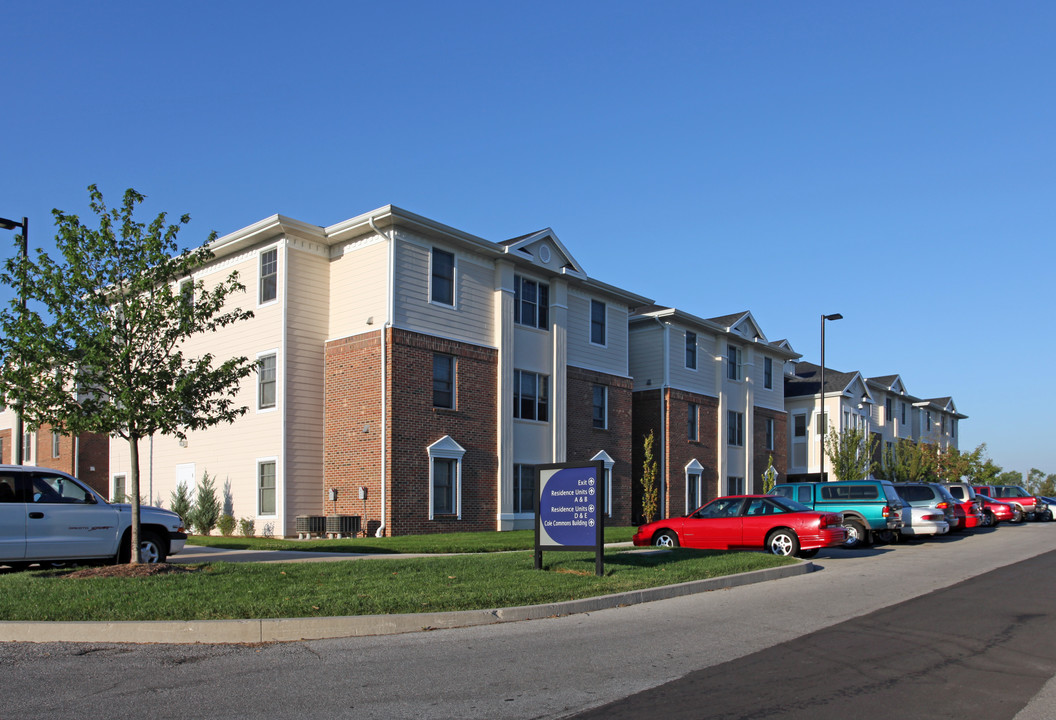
[264,230]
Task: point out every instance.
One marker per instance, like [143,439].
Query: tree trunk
[133,485]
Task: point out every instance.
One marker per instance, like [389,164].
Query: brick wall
[760,455]
[353,456]
[646,418]
[585,441]
[92,466]
[681,450]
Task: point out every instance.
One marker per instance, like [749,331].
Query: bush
[245,527]
[226,525]
[180,502]
[206,510]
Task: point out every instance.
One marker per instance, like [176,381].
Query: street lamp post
[822,418]
[23,251]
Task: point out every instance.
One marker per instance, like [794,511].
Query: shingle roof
[807,380]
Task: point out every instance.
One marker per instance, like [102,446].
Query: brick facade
[585,441]
[352,446]
[760,454]
[87,459]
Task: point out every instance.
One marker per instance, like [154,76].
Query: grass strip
[467,542]
[368,587]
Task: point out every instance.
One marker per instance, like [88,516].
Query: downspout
[384,367]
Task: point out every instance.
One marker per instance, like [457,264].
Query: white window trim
[454,279]
[260,276]
[278,384]
[55,439]
[113,486]
[608,463]
[446,448]
[262,461]
[693,467]
[605,323]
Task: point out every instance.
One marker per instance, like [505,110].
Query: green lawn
[364,587]
[467,542]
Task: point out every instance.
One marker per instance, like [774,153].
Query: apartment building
[85,456]
[711,391]
[409,373]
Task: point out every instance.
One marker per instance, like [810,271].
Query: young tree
[851,453]
[207,509]
[769,476]
[99,347]
[650,490]
[904,462]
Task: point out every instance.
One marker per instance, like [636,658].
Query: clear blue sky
[890,161]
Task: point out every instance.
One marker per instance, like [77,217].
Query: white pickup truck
[49,516]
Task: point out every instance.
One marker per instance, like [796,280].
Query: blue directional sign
[569,510]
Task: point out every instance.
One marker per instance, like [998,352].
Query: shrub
[226,525]
[245,527]
[206,510]
[180,502]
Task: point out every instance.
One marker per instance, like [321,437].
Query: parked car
[775,524]
[1030,506]
[969,501]
[934,498]
[918,521]
[871,508]
[49,516]
[1049,503]
[996,511]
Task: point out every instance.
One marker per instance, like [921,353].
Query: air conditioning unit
[308,526]
[342,526]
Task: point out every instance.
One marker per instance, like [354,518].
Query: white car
[49,516]
[918,520]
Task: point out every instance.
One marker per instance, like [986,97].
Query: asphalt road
[869,635]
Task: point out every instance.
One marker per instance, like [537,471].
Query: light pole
[822,418]
[22,253]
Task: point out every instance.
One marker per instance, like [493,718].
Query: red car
[776,524]
[995,511]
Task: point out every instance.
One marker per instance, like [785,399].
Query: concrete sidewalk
[318,628]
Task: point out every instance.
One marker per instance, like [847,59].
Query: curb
[322,628]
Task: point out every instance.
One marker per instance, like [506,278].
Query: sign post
[569,514]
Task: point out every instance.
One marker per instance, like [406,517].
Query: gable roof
[807,381]
[744,319]
[523,245]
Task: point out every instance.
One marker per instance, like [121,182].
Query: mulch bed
[130,570]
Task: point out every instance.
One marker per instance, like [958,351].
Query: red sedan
[776,524]
[995,511]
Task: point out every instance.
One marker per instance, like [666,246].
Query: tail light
[831,520]
[931,517]
[943,505]
[887,511]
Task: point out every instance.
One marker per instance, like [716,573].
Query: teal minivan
[869,507]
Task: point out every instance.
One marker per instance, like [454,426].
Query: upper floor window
[799,425]
[601,407]
[266,383]
[903,413]
[597,322]
[768,373]
[269,275]
[531,303]
[691,350]
[733,362]
[735,428]
[55,444]
[692,432]
[953,428]
[889,411]
[443,381]
[443,277]
[530,395]
[770,439]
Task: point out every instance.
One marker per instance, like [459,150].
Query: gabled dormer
[742,324]
[543,249]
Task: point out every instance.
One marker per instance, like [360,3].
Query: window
[2,450]
[119,489]
[187,292]
[927,415]
[691,350]
[953,431]
[769,433]
[733,362]
[597,322]
[692,491]
[269,275]
[28,446]
[523,488]
[445,473]
[55,444]
[266,487]
[443,381]
[601,407]
[889,410]
[530,395]
[735,428]
[443,277]
[531,303]
[903,413]
[691,421]
[266,382]
[768,373]
[799,425]
[735,485]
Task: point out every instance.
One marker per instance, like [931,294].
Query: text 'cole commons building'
[417,365]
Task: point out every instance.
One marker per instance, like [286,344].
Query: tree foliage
[650,486]
[769,476]
[851,453]
[99,347]
[207,509]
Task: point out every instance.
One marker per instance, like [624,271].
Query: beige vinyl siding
[308,291]
[610,358]
[359,279]
[470,320]
[773,399]
[701,380]
[646,355]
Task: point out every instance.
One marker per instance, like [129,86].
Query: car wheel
[1047,516]
[151,549]
[988,519]
[857,536]
[808,554]
[665,538]
[1017,515]
[783,542]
